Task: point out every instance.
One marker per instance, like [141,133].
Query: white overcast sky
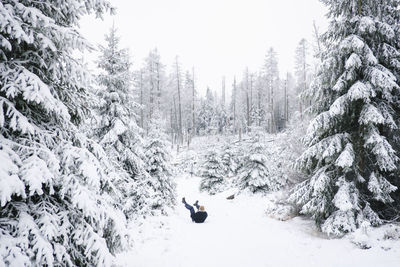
[217,37]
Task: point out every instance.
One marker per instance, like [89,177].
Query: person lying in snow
[199,216]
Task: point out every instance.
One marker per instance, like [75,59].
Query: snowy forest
[295,168]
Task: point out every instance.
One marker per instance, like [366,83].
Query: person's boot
[196,203]
[183,200]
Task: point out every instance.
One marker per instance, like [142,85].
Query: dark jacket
[199,216]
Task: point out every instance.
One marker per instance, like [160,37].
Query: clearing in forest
[239,233]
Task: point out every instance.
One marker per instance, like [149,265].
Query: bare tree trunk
[285,103]
[273,125]
[271,105]
[176,127]
[234,105]
[301,108]
[259,104]
[317,38]
[305,73]
[223,92]
[287,97]
[302,104]
[268,105]
[248,109]
[179,101]
[141,99]
[223,102]
[251,92]
[158,87]
[172,128]
[189,138]
[151,100]
[193,108]
[247,99]
[151,70]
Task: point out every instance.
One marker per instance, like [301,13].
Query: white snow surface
[239,233]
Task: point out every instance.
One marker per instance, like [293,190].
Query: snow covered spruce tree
[57,205]
[351,162]
[117,130]
[157,154]
[255,173]
[230,159]
[213,173]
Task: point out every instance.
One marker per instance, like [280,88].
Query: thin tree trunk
[223,101]
[189,139]
[259,104]
[247,99]
[158,88]
[234,105]
[141,99]
[223,92]
[287,97]
[268,103]
[248,109]
[176,121]
[179,102]
[193,108]
[172,128]
[151,89]
[272,109]
[284,103]
[305,72]
[251,92]
[317,37]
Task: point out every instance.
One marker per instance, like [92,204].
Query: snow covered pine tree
[230,159]
[352,165]
[117,130]
[213,173]
[254,173]
[158,166]
[55,206]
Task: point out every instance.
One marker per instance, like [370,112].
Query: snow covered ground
[238,233]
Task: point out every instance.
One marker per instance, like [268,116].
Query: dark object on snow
[231,197]
[198,217]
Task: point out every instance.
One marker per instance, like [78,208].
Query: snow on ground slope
[238,233]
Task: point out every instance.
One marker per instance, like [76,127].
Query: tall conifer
[352,157]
